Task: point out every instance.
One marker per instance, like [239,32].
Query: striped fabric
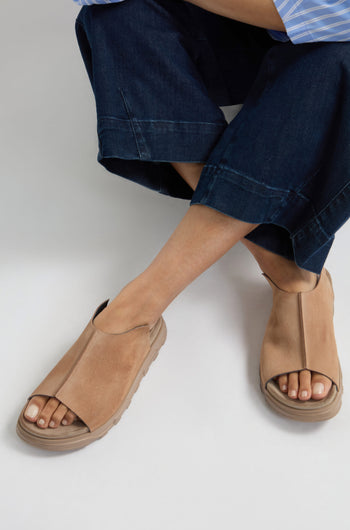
[313,20]
[304,20]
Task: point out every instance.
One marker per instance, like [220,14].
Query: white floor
[198,448]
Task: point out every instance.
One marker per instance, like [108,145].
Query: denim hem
[238,196]
[141,150]
[157,140]
[252,202]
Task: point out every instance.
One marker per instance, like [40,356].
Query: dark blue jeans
[161,69]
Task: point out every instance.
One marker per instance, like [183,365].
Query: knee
[321,65]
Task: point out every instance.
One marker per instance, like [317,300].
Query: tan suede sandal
[96,379]
[300,335]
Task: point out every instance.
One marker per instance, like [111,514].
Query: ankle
[284,272]
[293,282]
[136,304]
[289,276]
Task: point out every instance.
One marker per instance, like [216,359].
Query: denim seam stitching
[281,190]
[313,220]
[218,175]
[305,182]
[311,204]
[347,185]
[209,188]
[284,201]
[315,251]
[321,212]
[284,195]
[130,120]
[165,121]
[222,168]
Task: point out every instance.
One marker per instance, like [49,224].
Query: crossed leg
[287,275]
[202,237]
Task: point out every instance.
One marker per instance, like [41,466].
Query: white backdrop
[197,448]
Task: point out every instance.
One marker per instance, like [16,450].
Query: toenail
[318,388]
[304,393]
[293,393]
[32,411]
[284,387]
[52,423]
[41,422]
[64,422]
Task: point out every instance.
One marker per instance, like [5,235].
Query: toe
[321,385]
[45,415]
[69,418]
[34,407]
[57,416]
[293,385]
[283,383]
[304,385]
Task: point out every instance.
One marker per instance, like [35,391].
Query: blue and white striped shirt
[313,20]
[304,20]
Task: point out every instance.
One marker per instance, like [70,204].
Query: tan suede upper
[300,332]
[94,376]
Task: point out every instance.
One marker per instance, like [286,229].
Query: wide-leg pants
[161,69]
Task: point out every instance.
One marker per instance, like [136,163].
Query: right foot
[50,412]
[304,384]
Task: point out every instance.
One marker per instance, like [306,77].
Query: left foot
[123,313]
[302,385]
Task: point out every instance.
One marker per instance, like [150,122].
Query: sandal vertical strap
[283,344]
[317,307]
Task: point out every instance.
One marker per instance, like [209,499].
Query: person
[276,178]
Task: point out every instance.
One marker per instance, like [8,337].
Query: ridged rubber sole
[83,439]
